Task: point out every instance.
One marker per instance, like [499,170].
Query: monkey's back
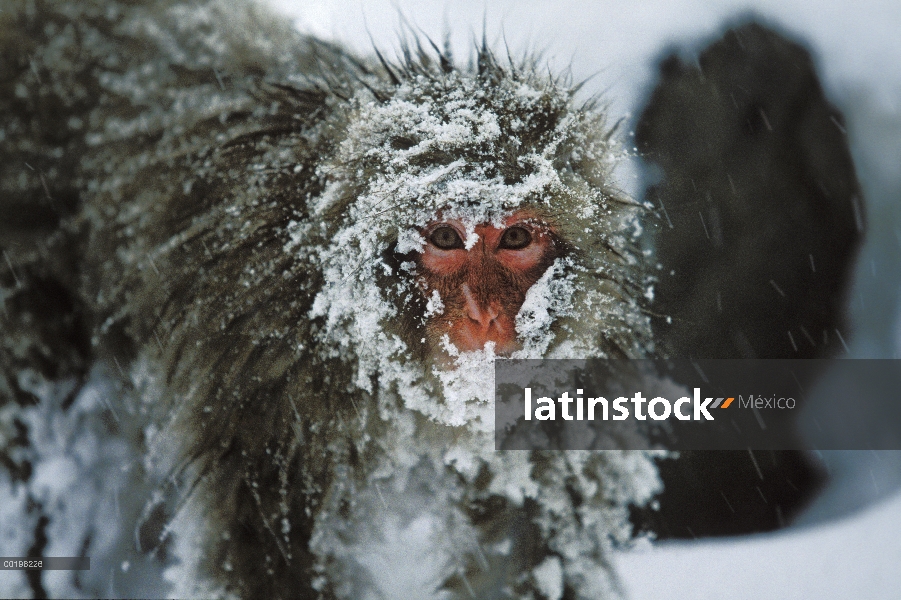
[151,156]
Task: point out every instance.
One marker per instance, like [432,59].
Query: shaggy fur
[225,208]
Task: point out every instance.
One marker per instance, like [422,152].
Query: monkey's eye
[516,238]
[446,238]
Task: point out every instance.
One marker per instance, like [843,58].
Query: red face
[483,288]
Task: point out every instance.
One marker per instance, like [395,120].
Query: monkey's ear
[394,259]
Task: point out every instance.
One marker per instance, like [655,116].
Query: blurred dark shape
[763,212]
[36,187]
[760,216]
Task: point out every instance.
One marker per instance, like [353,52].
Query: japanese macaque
[253,286]
[281,275]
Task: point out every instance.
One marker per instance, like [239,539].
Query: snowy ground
[855,557]
[850,543]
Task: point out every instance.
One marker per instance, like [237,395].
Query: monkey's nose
[483,316]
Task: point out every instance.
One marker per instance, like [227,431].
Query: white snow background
[848,545]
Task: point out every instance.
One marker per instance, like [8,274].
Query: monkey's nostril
[483,316]
[472,307]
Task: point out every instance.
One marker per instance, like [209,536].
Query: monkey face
[460,220]
[482,279]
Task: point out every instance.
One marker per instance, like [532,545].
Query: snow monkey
[253,286]
[270,279]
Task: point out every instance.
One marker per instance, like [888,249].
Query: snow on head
[473,147]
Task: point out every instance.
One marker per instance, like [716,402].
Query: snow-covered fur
[242,202]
